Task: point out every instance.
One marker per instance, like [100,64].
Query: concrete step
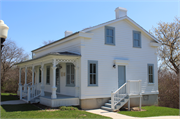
[108,104]
[106,108]
[110,101]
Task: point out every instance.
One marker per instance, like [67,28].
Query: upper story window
[150,73]
[39,74]
[48,75]
[109,35]
[92,73]
[70,75]
[137,39]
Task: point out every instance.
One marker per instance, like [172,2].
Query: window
[39,74]
[109,35]
[48,75]
[92,73]
[70,75]
[137,39]
[150,73]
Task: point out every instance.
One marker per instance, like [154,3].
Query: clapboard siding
[63,88]
[96,49]
[70,46]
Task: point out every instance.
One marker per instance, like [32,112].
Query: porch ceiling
[48,58]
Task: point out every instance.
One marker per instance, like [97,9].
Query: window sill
[150,84]
[110,44]
[92,85]
[136,47]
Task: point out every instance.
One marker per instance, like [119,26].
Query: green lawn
[152,111]
[8,96]
[30,111]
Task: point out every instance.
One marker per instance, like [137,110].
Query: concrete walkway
[115,115]
[12,102]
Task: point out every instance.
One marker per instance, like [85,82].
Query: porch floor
[59,96]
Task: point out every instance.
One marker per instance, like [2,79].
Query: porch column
[32,75]
[35,83]
[54,88]
[76,79]
[19,78]
[33,79]
[42,81]
[25,84]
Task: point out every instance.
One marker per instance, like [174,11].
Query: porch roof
[52,54]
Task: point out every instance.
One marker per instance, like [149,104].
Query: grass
[152,111]
[30,111]
[8,96]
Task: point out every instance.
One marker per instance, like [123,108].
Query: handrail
[120,88]
[120,100]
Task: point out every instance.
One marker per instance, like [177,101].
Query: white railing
[131,87]
[33,92]
[134,87]
[118,95]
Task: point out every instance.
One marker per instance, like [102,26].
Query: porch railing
[31,93]
[134,87]
[131,87]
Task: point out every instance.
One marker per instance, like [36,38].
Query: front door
[58,80]
[121,75]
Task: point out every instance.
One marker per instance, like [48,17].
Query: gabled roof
[101,25]
[56,41]
[119,19]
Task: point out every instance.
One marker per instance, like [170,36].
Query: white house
[109,64]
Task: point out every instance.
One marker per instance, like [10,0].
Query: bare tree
[168,34]
[10,55]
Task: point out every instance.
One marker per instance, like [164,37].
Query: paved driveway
[115,115]
[12,102]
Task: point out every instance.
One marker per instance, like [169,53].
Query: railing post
[140,87]
[112,100]
[128,87]
[29,93]
[20,88]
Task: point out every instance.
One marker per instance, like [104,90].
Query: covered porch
[55,79]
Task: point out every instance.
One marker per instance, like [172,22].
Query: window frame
[150,74]
[71,84]
[47,74]
[92,62]
[39,74]
[138,32]
[111,28]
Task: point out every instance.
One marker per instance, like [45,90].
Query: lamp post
[3,35]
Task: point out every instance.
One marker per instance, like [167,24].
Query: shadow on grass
[9,97]
[19,107]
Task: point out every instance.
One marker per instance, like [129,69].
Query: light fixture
[114,66]
[59,66]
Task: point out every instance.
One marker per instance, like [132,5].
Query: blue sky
[32,22]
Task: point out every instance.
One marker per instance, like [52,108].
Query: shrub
[63,108]
[168,89]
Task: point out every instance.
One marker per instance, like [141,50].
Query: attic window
[109,35]
[137,39]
